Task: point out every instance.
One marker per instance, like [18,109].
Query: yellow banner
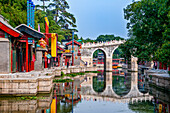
[53,45]
[46,20]
[53,106]
[67,51]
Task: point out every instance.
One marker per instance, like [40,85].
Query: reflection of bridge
[107,47]
[134,93]
[121,100]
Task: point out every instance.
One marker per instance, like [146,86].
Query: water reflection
[161,100]
[99,81]
[118,91]
[142,83]
[121,82]
[17,105]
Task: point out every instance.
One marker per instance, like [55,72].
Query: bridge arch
[113,51]
[105,56]
[102,49]
[108,48]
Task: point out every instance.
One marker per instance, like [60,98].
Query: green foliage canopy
[15,11]
[103,38]
[148,24]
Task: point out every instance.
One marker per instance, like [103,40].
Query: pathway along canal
[106,92]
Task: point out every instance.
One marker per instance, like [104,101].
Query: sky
[98,17]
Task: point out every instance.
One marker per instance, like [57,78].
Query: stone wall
[4,55]
[17,86]
[160,81]
[45,84]
[38,62]
[25,83]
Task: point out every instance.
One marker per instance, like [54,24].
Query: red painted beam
[9,30]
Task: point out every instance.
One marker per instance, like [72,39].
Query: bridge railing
[107,43]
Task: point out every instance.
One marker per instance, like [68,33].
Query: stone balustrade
[98,44]
[91,68]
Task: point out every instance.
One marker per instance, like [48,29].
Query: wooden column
[160,65]
[45,59]
[11,59]
[26,54]
[58,61]
[65,61]
[72,59]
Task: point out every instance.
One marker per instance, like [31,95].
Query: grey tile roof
[30,31]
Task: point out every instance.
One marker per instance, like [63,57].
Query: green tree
[105,38]
[65,18]
[148,23]
[163,54]
[15,11]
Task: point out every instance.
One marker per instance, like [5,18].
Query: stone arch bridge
[107,47]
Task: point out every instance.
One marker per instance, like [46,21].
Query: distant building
[77,54]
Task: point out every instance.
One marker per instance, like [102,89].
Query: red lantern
[43,45]
[79,54]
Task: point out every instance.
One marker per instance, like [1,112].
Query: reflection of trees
[98,85]
[142,83]
[142,107]
[121,84]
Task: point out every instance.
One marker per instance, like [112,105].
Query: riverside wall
[32,83]
[158,78]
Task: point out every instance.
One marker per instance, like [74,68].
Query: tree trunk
[44,5]
[56,16]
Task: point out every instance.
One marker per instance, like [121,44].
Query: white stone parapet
[98,44]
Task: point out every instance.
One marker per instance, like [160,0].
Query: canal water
[105,92]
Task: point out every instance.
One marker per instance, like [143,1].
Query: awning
[30,31]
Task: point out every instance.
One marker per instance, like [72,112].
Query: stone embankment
[158,78]
[34,82]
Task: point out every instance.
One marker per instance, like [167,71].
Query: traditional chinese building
[60,53]
[77,54]
[9,42]
[28,47]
